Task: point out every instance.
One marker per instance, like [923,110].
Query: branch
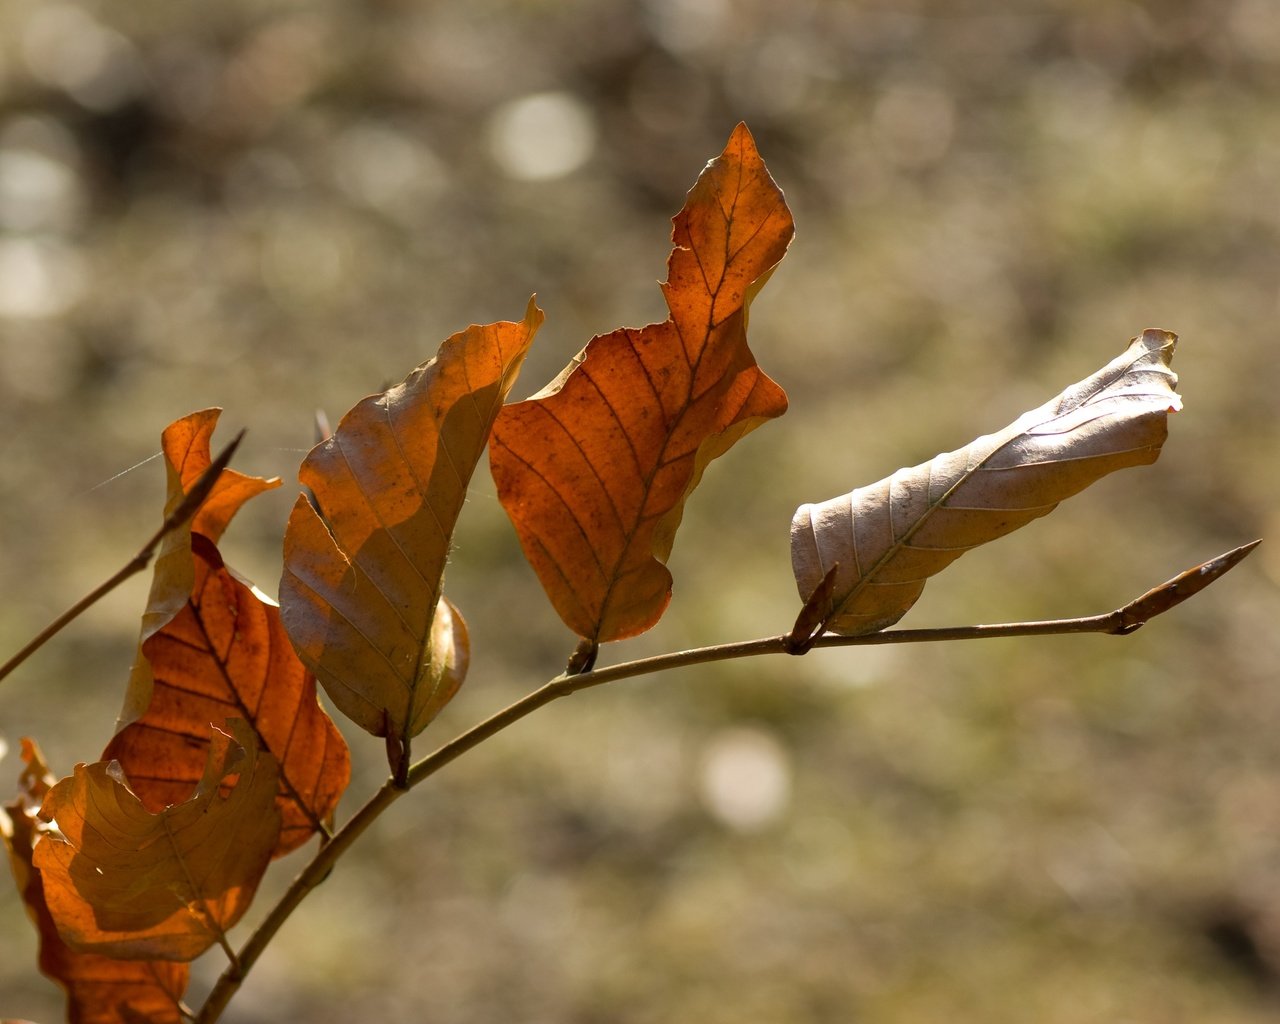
[1121,621]
[175,520]
[312,875]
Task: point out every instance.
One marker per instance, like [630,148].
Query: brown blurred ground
[275,207]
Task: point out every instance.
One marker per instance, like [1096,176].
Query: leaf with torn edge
[185,444]
[100,990]
[890,537]
[127,883]
[225,654]
[595,469]
[361,592]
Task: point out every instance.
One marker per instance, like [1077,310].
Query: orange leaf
[186,450]
[361,586]
[124,882]
[187,455]
[594,470]
[225,654]
[99,990]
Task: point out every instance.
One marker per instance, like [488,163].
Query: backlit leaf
[225,655]
[124,882]
[595,469]
[185,443]
[99,990]
[364,572]
[888,538]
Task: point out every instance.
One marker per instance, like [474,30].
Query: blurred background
[275,207]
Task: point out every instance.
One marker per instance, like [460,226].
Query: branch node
[583,658]
[397,753]
[812,620]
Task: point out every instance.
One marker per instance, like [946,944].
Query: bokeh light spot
[542,136]
[745,778]
[38,278]
[65,47]
[37,192]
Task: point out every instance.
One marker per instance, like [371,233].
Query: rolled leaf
[363,572]
[890,537]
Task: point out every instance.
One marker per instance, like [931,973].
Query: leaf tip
[1173,592]
[533,314]
[1159,341]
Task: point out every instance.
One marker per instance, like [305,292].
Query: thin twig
[187,508]
[1121,621]
[312,875]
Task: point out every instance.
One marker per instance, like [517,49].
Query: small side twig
[182,514]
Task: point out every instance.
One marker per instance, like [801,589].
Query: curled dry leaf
[361,593]
[595,469]
[225,654]
[212,647]
[185,444]
[100,990]
[891,536]
[124,882]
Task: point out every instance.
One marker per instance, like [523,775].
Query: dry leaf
[124,882]
[185,443]
[595,469]
[891,536]
[225,655]
[100,990]
[362,586]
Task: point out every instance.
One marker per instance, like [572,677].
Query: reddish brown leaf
[225,655]
[594,470]
[362,586]
[124,882]
[99,990]
[222,652]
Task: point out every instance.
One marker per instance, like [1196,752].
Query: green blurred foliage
[275,206]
